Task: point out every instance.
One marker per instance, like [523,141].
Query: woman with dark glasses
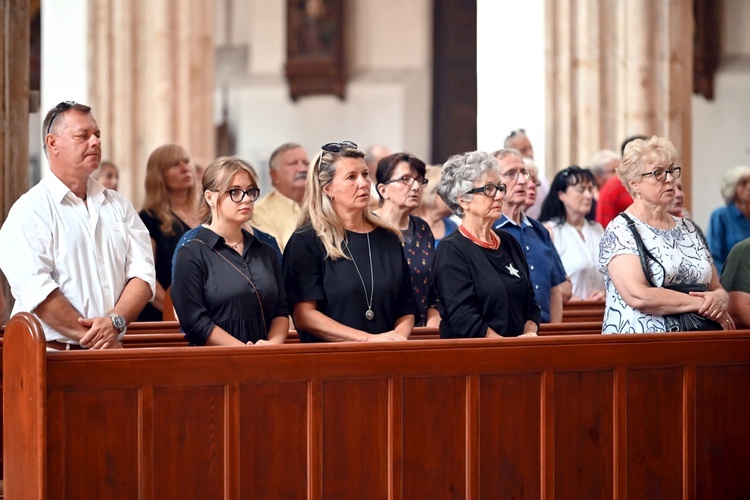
[480,273]
[401,183]
[228,287]
[344,269]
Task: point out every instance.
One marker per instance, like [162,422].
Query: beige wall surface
[388,94]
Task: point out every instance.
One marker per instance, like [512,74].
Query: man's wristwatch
[118,322]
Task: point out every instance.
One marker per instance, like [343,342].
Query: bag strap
[257,294]
[643,252]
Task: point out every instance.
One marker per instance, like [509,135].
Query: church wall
[388,93]
[721,128]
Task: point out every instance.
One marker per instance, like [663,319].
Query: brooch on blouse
[512,270]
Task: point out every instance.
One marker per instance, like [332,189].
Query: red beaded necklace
[493,245]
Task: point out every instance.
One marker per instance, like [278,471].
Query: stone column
[618,69]
[14,110]
[152,64]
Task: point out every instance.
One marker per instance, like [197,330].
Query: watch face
[118,322]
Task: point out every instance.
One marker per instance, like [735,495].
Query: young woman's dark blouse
[479,288]
[338,289]
[208,291]
[419,250]
[165,247]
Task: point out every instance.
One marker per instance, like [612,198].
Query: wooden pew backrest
[565,417]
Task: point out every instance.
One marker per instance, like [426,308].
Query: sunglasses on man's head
[63,106]
[337,147]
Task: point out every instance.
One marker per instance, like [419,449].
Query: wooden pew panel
[722,412]
[562,417]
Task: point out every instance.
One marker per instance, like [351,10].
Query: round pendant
[369,314]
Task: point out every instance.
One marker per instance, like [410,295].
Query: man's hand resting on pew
[101,333]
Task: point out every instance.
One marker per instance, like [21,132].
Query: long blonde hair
[317,208]
[157,202]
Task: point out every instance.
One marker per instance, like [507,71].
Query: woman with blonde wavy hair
[344,268]
[168,212]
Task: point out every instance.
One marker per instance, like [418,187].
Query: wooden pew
[583,311]
[167,333]
[594,416]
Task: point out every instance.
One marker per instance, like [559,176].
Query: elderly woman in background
[400,183]
[433,209]
[532,184]
[168,212]
[344,268]
[575,237]
[480,274]
[228,288]
[674,251]
[730,224]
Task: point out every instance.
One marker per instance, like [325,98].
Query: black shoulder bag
[683,322]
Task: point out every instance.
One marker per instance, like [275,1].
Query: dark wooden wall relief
[315,47]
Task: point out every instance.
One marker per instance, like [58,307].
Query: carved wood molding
[705,46]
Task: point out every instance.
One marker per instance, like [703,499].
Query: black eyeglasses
[408,180]
[519,131]
[237,195]
[337,147]
[63,106]
[489,189]
[660,174]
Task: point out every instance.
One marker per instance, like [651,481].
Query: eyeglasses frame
[483,189]
[249,192]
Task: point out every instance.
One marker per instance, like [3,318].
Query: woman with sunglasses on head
[228,287]
[168,212]
[401,181]
[575,237]
[344,268]
[480,273]
[646,249]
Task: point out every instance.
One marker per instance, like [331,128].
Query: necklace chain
[369,314]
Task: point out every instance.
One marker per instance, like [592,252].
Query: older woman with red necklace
[480,274]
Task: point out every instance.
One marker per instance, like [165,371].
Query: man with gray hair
[518,140]
[76,255]
[546,270]
[276,213]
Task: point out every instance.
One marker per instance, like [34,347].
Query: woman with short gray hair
[730,224]
[480,274]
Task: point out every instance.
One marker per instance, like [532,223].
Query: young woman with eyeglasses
[480,273]
[401,182]
[344,268]
[228,288]
[674,252]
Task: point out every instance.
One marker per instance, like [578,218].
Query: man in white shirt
[75,254]
[276,213]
